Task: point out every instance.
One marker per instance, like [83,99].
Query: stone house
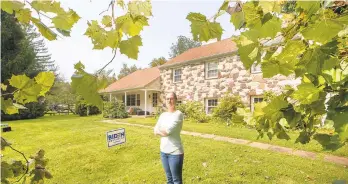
[206,73]
[202,74]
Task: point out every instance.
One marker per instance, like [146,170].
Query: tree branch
[110,4]
[27,162]
[99,71]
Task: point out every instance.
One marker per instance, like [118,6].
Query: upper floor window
[256,68]
[211,70]
[177,75]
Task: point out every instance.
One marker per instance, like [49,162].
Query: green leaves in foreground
[202,29]
[27,90]
[62,21]
[87,85]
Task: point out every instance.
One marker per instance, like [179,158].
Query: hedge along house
[206,73]
[140,89]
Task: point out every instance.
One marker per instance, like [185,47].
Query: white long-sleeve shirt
[170,122]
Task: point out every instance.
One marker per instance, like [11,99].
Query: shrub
[115,109]
[81,109]
[159,111]
[193,110]
[34,110]
[227,107]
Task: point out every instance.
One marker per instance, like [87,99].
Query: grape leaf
[65,20]
[313,59]
[303,138]
[258,109]
[97,34]
[329,142]
[28,94]
[310,7]
[44,30]
[131,26]
[274,67]
[202,29]
[64,32]
[252,15]
[7,106]
[291,51]
[140,8]
[270,6]
[121,4]
[306,93]
[340,123]
[23,15]
[244,52]
[10,6]
[47,6]
[3,87]
[324,30]
[330,63]
[87,86]
[107,20]
[272,110]
[46,80]
[271,28]
[237,18]
[130,47]
[19,81]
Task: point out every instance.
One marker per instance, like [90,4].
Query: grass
[242,132]
[77,150]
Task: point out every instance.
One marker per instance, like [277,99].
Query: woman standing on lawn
[169,127]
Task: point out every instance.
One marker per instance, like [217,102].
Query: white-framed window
[254,100]
[210,104]
[178,102]
[211,70]
[133,100]
[177,73]
[154,100]
[256,68]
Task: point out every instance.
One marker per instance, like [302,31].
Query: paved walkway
[305,154]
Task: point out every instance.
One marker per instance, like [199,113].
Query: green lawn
[78,153]
[242,132]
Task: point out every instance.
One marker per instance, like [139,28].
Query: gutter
[196,60]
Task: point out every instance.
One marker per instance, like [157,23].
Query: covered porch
[139,91]
[139,102]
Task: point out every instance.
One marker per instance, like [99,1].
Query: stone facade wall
[232,77]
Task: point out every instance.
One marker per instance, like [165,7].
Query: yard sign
[115,137]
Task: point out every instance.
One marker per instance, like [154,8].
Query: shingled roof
[135,80]
[212,49]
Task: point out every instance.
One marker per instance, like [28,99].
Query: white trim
[207,69]
[206,104]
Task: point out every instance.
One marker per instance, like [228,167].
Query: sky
[167,23]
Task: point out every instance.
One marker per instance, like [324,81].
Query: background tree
[183,44]
[17,54]
[43,58]
[125,70]
[108,75]
[157,61]
[61,96]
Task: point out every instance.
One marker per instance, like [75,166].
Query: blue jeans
[172,165]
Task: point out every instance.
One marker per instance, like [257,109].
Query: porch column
[125,100]
[145,101]
[110,97]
